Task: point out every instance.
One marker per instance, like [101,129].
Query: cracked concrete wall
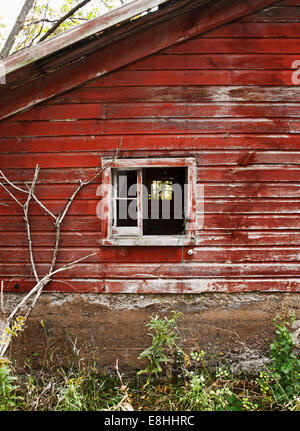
[107,327]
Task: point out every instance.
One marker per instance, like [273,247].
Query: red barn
[202,95]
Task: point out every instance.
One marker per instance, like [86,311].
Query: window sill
[151,240]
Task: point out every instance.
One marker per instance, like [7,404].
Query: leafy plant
[281,383]
[8,397]
[164,351]
[199,385]
[209,392]
[71,397]
[16,327]
[286,362]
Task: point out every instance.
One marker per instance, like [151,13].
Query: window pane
[163,201]
[126,212]
[161,189]
[126,184]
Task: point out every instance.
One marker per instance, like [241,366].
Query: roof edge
[76,34]
[186,23]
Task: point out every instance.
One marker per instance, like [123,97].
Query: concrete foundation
[105,327]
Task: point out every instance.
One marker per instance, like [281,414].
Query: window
[148,202]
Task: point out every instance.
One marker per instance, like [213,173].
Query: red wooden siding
[227,99]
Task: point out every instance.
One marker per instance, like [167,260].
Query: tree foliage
[47,18]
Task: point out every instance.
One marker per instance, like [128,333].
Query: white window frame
[132,236]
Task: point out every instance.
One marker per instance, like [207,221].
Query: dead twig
[125,403]
[3,311]
[41,281]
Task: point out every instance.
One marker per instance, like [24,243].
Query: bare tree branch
[25,209]
[44,280]
[3,312]
[16,28]
[11,184]
[36,289]
[11,195]
[62,19]
[104,3]
[42,26]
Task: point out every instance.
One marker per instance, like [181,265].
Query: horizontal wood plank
[80,224]
[256,29]
[259,190]
[54,176]
[246,221]
[132,78]
[198,62]
[237,46]
[211,206]
[204,238]
[158,110]
[61,112]
[215,174]
[99,127]
[275,14]
[203,158]
[249,205]
[251,173]
[80,207]
[75,224]
[47,239]
[182,94]
[167,270]
[211,190]
[197,285]
[146,255]
[148,145]
[57,160]
[198,110]
[248,238]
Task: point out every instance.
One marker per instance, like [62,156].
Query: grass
[93,392]
[173,380]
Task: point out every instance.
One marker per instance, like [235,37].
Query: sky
[9,10]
